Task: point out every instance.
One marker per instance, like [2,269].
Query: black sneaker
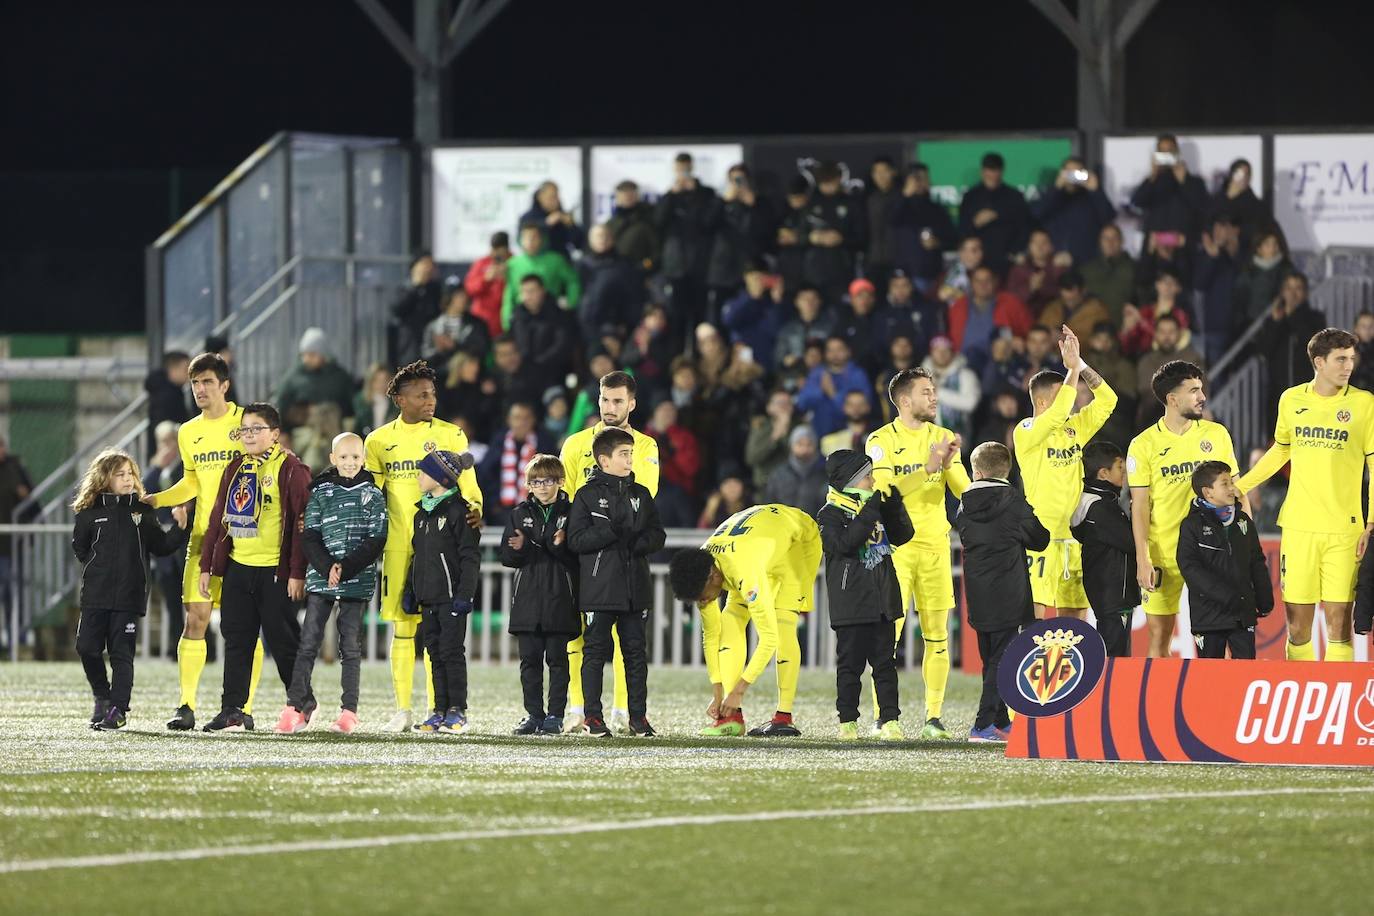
[640,728]
[228,720]
[530,725]
[775,728]
[111,721]
[101,707]
[248,725]
[596,727]
[184,720]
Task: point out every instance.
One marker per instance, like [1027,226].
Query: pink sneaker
[347,722]
[290,722]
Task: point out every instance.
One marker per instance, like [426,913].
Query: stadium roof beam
[1099,34]
[438,42]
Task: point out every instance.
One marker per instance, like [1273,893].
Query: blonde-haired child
[113,535]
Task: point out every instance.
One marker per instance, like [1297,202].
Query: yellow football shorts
[924,573]
[1056,575]
[1317,567]
[1164,600]
[395,568]
[190,577]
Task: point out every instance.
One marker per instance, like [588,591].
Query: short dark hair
[417,371]
[1205,475]
[983,267]
[1039,327]
[1168,316]
[902,382]
[841,338]
[172,357]
[209,362]
[994,161]
[883,160]
[532,278]
[1169,376]
[683,156]
[688,571]
[1328,339]
[627,185]
[828,171]
[1296,275]
[1099,456]
[917,167]
[1071,279]
[530,224]
[500,239]
[620,379]
[1042,381]
[610,439]
[266,411]
[1170,137]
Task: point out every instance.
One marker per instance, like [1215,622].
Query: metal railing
[45,574]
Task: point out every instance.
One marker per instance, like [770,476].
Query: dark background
[118,117]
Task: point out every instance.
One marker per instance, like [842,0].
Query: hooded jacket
[345,523]
[1101,526]
[997,527]
[1224,569]
[112,540]
[613,528]
[858,539]
[544,594]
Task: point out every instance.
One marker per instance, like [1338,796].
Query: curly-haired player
[394,452]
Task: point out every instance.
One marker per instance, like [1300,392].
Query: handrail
[1237,348]
[203,205]
[272,308]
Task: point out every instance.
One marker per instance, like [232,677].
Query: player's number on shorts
[1031,563]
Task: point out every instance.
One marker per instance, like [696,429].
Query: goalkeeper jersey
[899,455]
[1164,462]
[1049,450]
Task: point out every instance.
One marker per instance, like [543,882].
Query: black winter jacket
[826,266]
[997,527]
[445,566]
[1224,569]
[686,222]
[861,581]
[544,595]
[112,540]
[613,528]
[1101,526]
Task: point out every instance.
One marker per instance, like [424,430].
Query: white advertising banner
[1324,189]
[479,191]
[1126,163]
[651,167]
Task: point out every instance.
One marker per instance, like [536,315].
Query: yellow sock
[575,698]
[429,681]
[1340,651]
[190,663]
[1300,653]
[734,645]
[897,641]
[621,698]
[935,661]
[402,667]
[789,659]
[254,678]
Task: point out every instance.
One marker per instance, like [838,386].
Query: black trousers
[252,601]
[991,709]
[444,633]
[116,632]
[1115,629]
[536,651]
[597,652]
[1240,641]
[874,645]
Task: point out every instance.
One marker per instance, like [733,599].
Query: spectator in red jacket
[678,453]
[486,283]
[973,319]
[1035,278]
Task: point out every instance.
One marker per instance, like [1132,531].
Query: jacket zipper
[143,558]
[444,560]
[516,590]
[844,579]
[596,565]
[92,559]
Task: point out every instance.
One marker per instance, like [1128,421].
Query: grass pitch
[149,822]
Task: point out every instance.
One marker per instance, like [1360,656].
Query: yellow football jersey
[899,456]
[265,549]
[393,454]
[1328,441]
[1049,451]
[1165,462]
[206,446]
[578,462]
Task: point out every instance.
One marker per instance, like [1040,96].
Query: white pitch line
[703,820]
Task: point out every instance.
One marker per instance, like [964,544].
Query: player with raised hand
[920,459]
[1325,429]
[1159,468]
[1049,449]
[764,560]
[393,455]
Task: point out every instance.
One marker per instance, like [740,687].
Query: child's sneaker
[780,726]
[346,724]
[228,720]
[530,725]
[849,731]
[891,730]
[183,720]
[455,722]
[312,721]
[400,722]
[290,721]
[595,727]
[111,721]
[553,725]
[432,724]
[620,722]
[934,730]
[1004,730]
[985,735]
[640,728]
[727,727]
[98,714]
[573,722]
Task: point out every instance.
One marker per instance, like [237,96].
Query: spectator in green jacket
[316,379]
[1111,277]
[560,280]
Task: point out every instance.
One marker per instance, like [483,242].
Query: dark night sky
[133,90]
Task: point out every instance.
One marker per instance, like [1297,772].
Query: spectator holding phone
[1237,199]
[1075,210]
[561,232]
[1171,199]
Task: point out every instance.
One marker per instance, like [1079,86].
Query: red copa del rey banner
[1192,710]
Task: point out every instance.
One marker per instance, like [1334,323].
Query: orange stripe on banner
[1050,737]
[1123,715]
[1159,711]
[1087,726]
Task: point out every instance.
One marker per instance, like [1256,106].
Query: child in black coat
[1102,527]
[997,527]
[543,601]
[613,528]
[859,529]
[112,537]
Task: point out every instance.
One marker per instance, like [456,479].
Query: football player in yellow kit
[764,560]
[921,460]
[1049,451]
[393,454]
[1159,468]
[616,403]
[1325,428]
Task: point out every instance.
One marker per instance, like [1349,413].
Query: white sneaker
[400,722]
[572,723]
[620,722]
